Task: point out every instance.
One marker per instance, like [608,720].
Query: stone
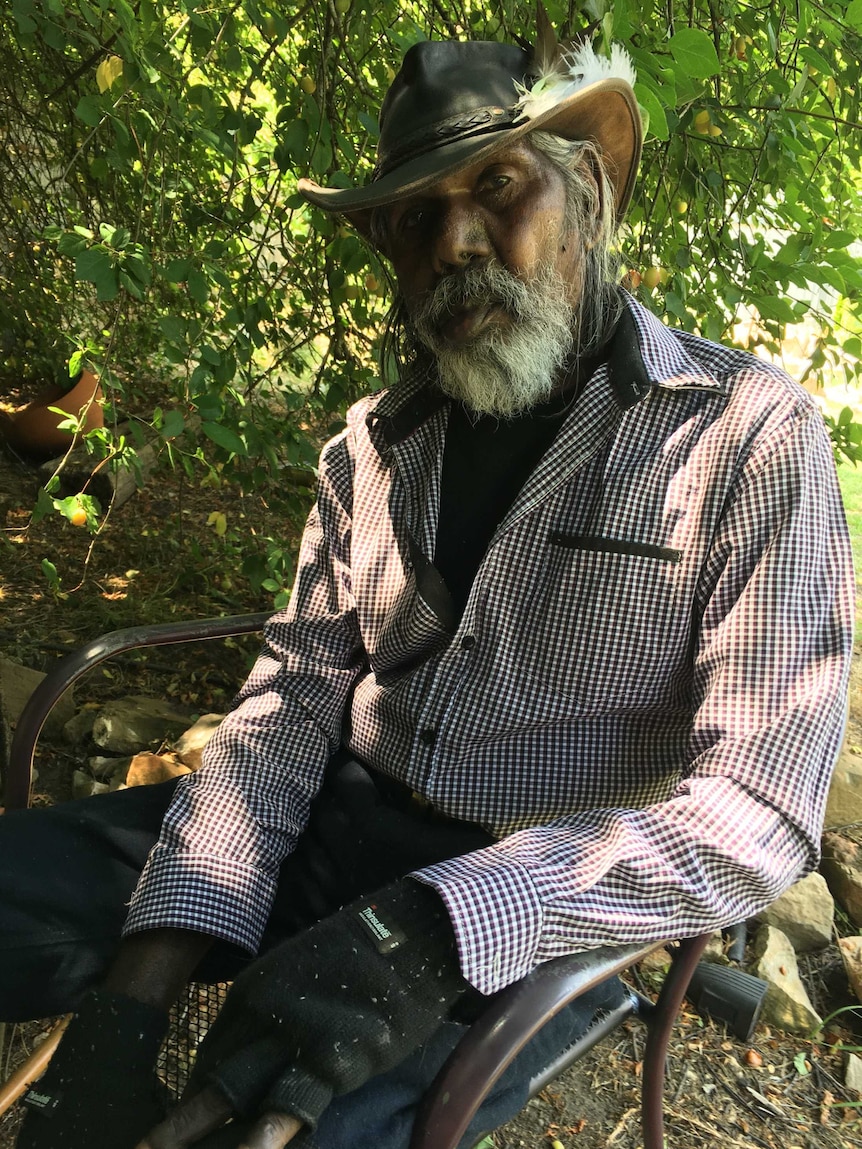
[787,1004]
[85,786]
[189,747]
[803,913]
[147,769]
[79,727]
[851,955]
[844,803]
[137,723]
[110,770]
[853,1073]
[841,866]
[17,683]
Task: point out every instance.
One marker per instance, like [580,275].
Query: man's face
[511,209]
[490,274]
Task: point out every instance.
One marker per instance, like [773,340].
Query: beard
[506,368]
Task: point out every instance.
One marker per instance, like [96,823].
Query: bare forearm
[154,965]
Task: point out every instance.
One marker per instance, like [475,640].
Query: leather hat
[455,103]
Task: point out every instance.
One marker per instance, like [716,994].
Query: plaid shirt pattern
[642,701]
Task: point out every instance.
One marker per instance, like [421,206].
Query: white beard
[504,370]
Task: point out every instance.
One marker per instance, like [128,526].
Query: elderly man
[565,663]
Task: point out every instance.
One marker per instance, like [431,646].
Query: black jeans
[67,873]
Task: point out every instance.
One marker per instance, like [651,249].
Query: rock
[844,804]
[841,866]
[17,683]
[79,727]
[787,1004]
[110,770]
[803,914]
[147,769]
[853,1073]
[85,786]
[137,723]
[190,746]
[851,955]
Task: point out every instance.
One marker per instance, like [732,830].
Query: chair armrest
[493,1042]
[84,658]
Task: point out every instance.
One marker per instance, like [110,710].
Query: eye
[413,218]
[496,186]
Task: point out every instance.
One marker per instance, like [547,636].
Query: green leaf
[651,104]
[95,266]
[89,110]
[800,1064]
[198,287]
[224,437]
[694,53]
[173,424]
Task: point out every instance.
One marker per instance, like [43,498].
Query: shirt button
[428,736]
[468,642]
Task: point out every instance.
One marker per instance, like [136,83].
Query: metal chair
[490,1044]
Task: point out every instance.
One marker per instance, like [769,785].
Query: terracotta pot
[35,431]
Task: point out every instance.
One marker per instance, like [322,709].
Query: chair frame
[515,1016]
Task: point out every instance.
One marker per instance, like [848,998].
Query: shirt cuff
[205,893]
[495,912]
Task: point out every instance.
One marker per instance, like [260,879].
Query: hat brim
[605,112]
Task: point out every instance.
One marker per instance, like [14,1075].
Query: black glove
[100,1087]
[331,1007]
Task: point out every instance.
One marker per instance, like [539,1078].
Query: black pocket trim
[614,546]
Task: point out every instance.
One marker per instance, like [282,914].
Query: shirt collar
[658,356]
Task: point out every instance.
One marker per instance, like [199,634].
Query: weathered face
[510,209]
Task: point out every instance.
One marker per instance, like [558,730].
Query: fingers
[191,1120]
[272,1131]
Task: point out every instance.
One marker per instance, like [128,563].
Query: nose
[461,238]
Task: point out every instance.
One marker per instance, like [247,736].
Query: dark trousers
[67,873]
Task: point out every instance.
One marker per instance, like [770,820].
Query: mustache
[484,285]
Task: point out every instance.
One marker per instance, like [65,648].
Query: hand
[319,1015]
[100,1087]
[207,1112]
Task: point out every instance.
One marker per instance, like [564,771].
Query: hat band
[489,119]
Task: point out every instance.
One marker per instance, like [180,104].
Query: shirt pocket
[606,629]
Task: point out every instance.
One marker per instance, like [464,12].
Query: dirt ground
[781,1092]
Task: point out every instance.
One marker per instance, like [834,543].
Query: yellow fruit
[372,283]
[633,279]
[342,7]
[739,47]
[702,121]
[714,130]
[652,277]
[680,207]
[78,517]
[308,85]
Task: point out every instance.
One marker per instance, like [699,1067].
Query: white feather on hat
[581,66]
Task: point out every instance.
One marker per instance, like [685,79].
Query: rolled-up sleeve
[231,824]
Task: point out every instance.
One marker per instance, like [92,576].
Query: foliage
[150,221]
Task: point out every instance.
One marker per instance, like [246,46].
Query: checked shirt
[643,699]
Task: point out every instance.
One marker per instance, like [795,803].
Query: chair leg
[660,1024]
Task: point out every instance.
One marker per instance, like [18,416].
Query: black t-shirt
[486,462]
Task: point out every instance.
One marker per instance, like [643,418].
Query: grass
[850,478]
